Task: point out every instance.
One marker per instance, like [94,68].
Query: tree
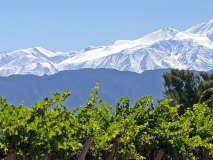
[206,89]
[207,97]
[182,86]
[206,81]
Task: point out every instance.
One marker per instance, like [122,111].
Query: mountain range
[166,48]
[113,85]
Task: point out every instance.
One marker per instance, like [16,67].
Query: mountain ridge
[113,85]
[165,48]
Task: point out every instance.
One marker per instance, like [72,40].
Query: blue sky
[66,25]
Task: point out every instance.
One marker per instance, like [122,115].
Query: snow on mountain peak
[45,52]
[37,50]
[164,48]
[89,48]
[165,32]
[202,28]
[162,34]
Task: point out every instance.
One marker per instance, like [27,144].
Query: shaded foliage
[186,88]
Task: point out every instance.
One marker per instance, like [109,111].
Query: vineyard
[146,131]
[49,130]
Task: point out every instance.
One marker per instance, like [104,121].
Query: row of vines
[157,132]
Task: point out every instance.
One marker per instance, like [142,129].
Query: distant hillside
[113,85]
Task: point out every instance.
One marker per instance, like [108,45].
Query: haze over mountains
[166,48]
[113,86]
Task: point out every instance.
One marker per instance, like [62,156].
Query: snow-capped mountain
[37,61]
[165,48]
[203,28]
